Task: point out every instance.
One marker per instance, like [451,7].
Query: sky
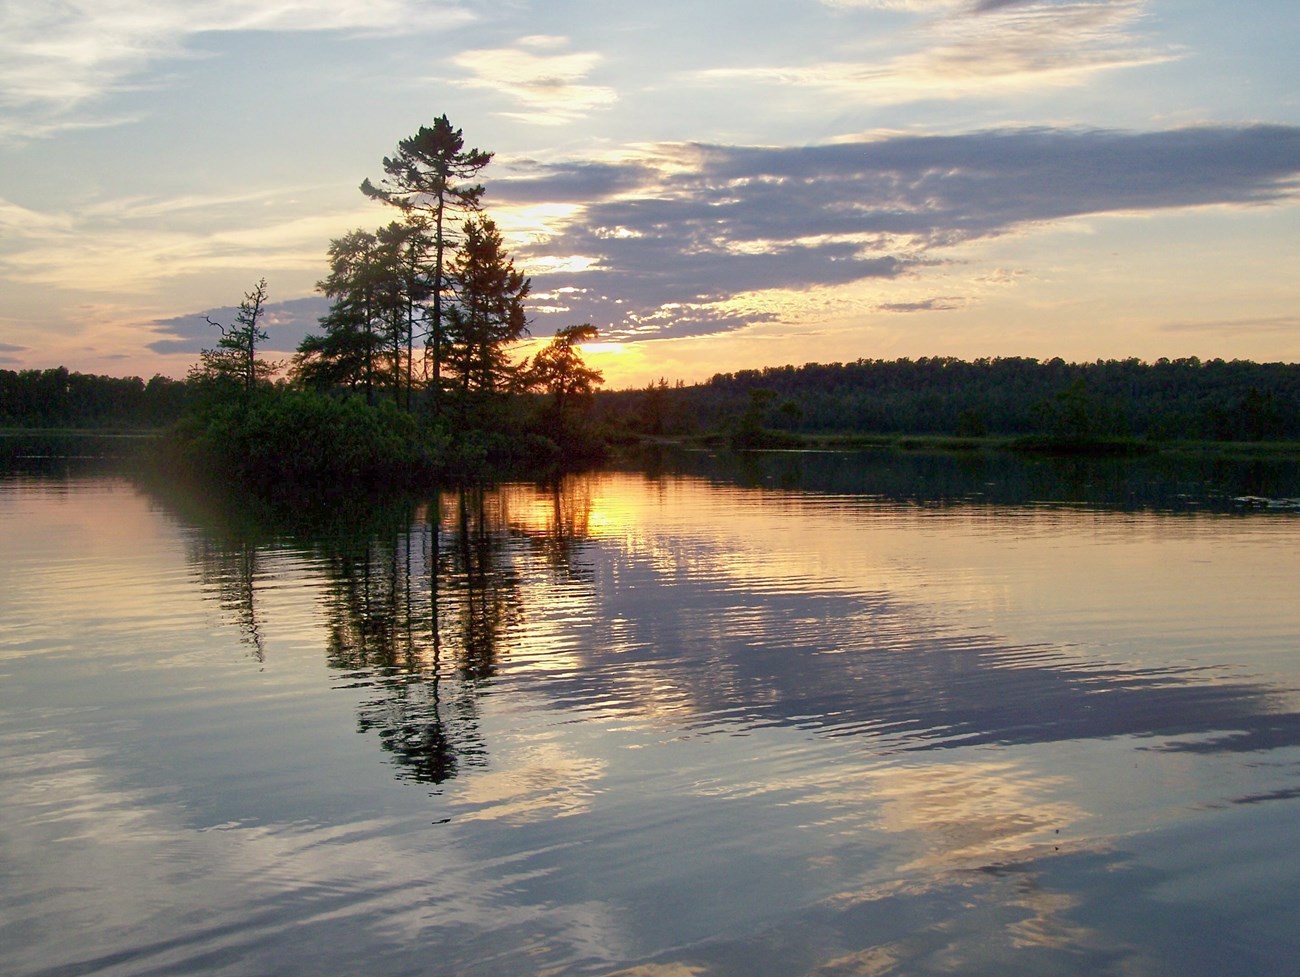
[716,184]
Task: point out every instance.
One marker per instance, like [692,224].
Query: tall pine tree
[431,180]
[347,352]
[489,313]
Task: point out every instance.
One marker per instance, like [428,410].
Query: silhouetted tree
[430,179]
[488,315]
[367,337]
[404,287]
[234,359]
[345,353]
[559,369]
[749,431]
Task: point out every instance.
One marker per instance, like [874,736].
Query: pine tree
[233,362]
[430,180]
[559,370]
[347,352]
[489,312]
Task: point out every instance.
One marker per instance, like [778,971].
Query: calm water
[804,715]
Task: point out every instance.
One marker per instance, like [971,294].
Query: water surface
[792,715]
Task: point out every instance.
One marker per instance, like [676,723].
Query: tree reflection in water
[418,599]
[417,614]
[423,603]
[229,570]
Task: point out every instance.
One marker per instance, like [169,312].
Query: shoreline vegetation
[843,441]
[280,434]
[414,377]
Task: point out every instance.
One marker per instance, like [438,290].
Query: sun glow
[569,263]
[532,223]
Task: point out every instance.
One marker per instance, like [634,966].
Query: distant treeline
[1169,399]
[1186,399]
[58,398]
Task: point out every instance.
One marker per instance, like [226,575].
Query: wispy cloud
[940,304]
[1024,41]
[54,57]
[978,48]
[17,221]
[913,6]
[125,246]
[685,229]
[545,84]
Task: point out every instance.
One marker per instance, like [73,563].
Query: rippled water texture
[808,715]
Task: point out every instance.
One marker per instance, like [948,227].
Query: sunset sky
[715,184]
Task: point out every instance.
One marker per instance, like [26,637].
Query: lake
[792,714]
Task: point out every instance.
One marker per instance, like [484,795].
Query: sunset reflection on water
[647,723]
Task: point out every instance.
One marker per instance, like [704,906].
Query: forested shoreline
[1182,399]
[62,398]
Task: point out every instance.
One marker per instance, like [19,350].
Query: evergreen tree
[430,180]
[559,369]
[233,362]
[347,352]
[488,315]
[403,288]
[376,287]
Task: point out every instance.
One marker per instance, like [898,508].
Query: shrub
[301,438]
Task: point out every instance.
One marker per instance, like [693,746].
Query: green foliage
[749,431]
[1079,414]
[489,314]
[376,284]
[970,424]
[430,180]
[430,172]
[233,364]
[559,372]
[58,398]
[302,438]
[559,369]
[1009,397]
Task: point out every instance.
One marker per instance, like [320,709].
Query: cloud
[529,181]
[676,232]
[56,56]
[548,85]
[941,304]
[17,220]
[915,6]
[975,50]
[124,245]
[1029,41]
[11,348]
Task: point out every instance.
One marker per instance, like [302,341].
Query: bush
[300,438]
